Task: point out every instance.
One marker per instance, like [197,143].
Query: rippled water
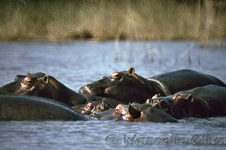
[78,63]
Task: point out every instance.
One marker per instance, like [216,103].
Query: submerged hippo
[145,112]
[111,114]
[207,101]
[127,86]
[105,115]
[16,107]
[102,104]
[42,85]
[136,113]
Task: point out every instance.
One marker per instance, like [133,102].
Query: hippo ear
[103,105]
[135,113]
[178,97]
[106,104]
[131,71]
[190,98]
[45,79]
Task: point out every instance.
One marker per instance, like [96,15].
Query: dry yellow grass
[61,20]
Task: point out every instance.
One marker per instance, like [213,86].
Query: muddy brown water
[78,63]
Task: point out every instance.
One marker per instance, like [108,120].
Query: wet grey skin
[15,107]
[127,86]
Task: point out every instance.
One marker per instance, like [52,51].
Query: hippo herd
[123,96]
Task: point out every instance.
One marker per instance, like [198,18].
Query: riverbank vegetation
[61,20]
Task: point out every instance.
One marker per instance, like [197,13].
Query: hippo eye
[116,76]
[27,81]
[91,107]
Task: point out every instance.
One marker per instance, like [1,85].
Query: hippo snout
[85,89]
[92,90]
[81,91]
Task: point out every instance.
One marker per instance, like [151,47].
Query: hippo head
[120,109]
[132,114]
[101,107]
[125,86]
[178,106]
[162,103]
[32,84]
[128,113]
[181,106]
[144,112]
[87,110]
[92,108]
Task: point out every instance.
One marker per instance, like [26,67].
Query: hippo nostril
[85,89]
[80,91]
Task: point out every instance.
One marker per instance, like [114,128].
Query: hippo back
[15,107]
[63,93]
[42,85]
[173,82]
[208,101]
[153,114]
[127,86]
[11,87]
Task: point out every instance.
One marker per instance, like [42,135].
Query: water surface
[78,63]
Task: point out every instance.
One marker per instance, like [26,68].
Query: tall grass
[61,20]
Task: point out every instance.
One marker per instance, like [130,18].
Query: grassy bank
[59,20]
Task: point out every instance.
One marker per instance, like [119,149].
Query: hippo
[144,112]
[96,108]
[200,102]
[127,86]
[17,107]
[85,109]
[102,104]
[110,114]
[134,112]
[105,115]
[4,93]
[42,85]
